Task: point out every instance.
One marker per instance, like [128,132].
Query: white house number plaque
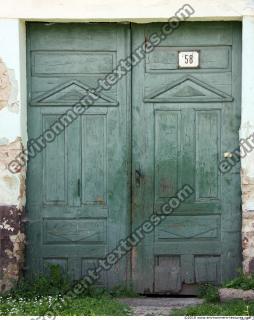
[188,59]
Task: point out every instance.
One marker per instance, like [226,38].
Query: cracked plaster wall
[12,186]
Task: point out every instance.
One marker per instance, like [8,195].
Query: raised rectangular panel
[208,140]
[215,58]
[63,63]
[167,144]
[69,231]
[92,264]
[188,227]
[54,168]
[165,59]
[196,34]
[167,274]
[94,159]
[73,36]
[207,269]
[162,58]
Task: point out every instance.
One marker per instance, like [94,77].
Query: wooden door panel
[183,122]
[78,187]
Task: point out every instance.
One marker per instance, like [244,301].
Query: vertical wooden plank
[187,268]
[167,134]
[94,168]
[54,175]
[73,133]
[231,185]
[188,143]
[208,141]
[118,153]
[143,160]
[208,269]
[167,274]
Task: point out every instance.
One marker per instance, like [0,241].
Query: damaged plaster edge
[13,113]
[13,185]
[23,82]
[248,215]
[12,142]
[13,55]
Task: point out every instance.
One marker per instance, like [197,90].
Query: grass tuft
[45,293]
[209,292]
[243,281]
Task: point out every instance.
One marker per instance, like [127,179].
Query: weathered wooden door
[183,122]
[78,187]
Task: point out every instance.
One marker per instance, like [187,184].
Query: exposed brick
[12,240]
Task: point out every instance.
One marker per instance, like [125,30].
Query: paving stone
[143,306]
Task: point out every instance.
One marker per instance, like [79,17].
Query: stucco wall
[12,139]
[247,129]
[121,10]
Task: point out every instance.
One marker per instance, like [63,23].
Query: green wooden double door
[158,128]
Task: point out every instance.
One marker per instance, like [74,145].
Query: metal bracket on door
[79,188]
[138,176]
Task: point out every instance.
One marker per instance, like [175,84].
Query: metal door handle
[79,189]
[228,154]
[138,176]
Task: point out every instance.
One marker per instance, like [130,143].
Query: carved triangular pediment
[188,89]
[71,93]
